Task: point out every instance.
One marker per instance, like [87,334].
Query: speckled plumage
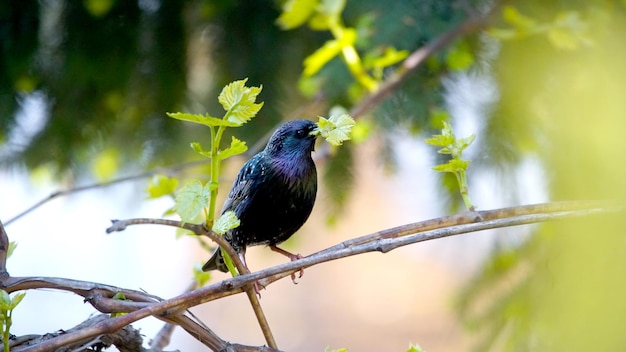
[274,192]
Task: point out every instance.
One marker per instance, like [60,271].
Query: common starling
[273,194]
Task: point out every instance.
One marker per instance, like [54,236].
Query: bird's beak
[315,132]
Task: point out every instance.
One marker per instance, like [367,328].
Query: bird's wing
[245,185]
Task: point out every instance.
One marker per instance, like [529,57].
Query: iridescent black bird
[273,194]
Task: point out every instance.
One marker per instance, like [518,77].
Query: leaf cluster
[7,305]
[454,147]
[325,15]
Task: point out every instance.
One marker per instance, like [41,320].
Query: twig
[4,252]
[411,63]
[201,230]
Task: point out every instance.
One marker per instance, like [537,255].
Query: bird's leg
[257,285]
[292,257]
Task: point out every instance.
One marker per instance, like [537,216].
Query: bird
[273,194]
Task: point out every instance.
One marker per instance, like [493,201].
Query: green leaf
[17,299]
[227,221]
[465,142]
[236,147]
[563,39]
[319,22]
[201,277]
[514,17]
[106,164]
[295,13]
[460,57]
[239,102]
[415,348]
[161,185]
[5,301]
[198,149]
[12,246]
[453,165]
[328,349]
[206,120]
[391,56]
[439,140]
[336,129]
[191,199]
[314,62]
[119,296]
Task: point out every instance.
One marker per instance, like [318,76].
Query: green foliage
[12,247]
[192,199]
[456,165]
[161,185]
[239,102]
[322,15]
[7,305]
[201,277]
[460,57]
[225,222]
[336,129]
[415,348]
[119,296]
[567,30]
[328,349]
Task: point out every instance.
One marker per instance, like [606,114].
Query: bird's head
[294,138]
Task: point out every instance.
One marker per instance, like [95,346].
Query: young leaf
[453,165]
[227,221]
[239,102]
[5,301]
[295,13]
[161,185]
[12,246]
[336,129]
[191,199]
[391,56]
[198,149]
[236,147]
[314,62]
[206,120]
[415,348]
[17,299]
[201,277]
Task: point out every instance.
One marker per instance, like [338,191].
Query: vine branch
[382,241]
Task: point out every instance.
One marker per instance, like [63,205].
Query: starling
[273,194]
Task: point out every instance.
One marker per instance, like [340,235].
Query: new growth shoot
[454,147]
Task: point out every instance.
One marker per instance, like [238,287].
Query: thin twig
[413,61]
[201,230]
[4,252]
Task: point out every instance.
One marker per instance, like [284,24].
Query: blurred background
[85,85]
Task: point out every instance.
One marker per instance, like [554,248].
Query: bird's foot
[292,257]
[258,286]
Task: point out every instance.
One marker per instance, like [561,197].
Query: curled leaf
[336,129]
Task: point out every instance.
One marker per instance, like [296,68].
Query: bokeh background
[84,87]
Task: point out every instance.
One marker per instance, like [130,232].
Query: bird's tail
[216,262]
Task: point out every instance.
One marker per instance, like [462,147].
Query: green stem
[462,180]
[215,173]
[351,57]
[5,333]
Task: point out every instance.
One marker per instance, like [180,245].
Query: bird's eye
[301,133]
